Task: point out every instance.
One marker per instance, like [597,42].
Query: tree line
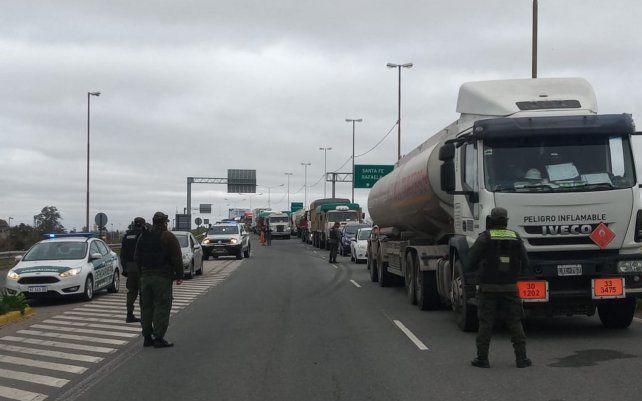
[22,236]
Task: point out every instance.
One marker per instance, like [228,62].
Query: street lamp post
[89,95]
[9,221]
[305,185]
[534,61]
[325,168]
[269,189]
[249,196]
[399,67]
[353,121]
[288,174]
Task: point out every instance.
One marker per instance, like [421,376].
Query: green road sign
[294,206]
[366,175]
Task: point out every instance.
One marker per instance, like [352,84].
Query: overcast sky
[193,88]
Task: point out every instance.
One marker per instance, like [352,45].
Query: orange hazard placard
[608,287]
[533,291]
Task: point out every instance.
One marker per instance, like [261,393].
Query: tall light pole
[249,196]
[325,168]
[534,61]
[269,189]
[305,185]
[399,67]
[288,174]
[9,221]
[89,95]
[353,121]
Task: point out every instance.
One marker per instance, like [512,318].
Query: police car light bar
[68,235]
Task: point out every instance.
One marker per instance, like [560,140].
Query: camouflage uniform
[130,267]
[158,254]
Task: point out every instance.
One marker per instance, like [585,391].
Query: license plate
[569,270]
[533,291]
[40,288]
[604,288]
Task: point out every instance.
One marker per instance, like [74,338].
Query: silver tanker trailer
[565,174]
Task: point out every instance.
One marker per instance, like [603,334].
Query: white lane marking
[52,354]
[411,336]
[335,266]
[121,303]
[94,319]
[63,367]
[20,395]
[84,331]
[114,308]
[73,337]
[33,378]
[355,284]
[96,325]
[82,312]
[58,344]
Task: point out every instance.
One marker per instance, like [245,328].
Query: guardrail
[11,254]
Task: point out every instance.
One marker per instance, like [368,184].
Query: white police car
[65,265]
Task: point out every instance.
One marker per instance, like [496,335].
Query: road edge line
[411,336]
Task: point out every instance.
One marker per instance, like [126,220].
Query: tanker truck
[566,175]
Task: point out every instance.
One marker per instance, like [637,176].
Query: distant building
[4,230]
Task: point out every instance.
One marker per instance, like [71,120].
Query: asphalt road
[287,325]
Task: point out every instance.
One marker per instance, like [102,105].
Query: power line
[378,143]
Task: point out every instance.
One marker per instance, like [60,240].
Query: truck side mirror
[447,152]
[447,173]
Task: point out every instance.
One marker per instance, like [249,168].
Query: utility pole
[305,185]
[535,15]
[325,168]
[288,174]
[353,121]
[89,95]
[399,67]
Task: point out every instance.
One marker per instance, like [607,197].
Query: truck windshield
[215,230]
[342,216]
[558,164]
[278,219]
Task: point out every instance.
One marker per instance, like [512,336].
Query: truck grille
[544,241]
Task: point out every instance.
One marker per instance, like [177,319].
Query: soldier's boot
[149,341]
[521,360]
[131,318]
[162,343]
[482,358]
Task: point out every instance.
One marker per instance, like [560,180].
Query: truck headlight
[13,275]
[629,266]
[71,272]
[233,241]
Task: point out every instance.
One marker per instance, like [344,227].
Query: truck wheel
[372,264]
[384,278]
[411,274]
[617,313]
[465,314]
[426,289]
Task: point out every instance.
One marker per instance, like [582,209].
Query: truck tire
[465,314]
[426,290]
[411,275]
[617,313]
[384,278]
[372,266]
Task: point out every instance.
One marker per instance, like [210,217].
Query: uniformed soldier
[130,268]
[499,257]
[158,254]
[333,240]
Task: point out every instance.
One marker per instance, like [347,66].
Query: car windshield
[363,234]
[182,239]
[57,250]
[558,164]
[342,216]
[216,230]
[278,219]
[352,229]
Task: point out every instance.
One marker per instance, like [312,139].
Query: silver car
[192,253]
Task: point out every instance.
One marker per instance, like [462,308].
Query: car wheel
[191,270]
[199,272]
[88,292]
[239,255]
[115,283]
[248,251]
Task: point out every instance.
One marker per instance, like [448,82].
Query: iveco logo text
[574,229]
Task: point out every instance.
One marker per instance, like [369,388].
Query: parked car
[192,253]
[227,239]
[359,245]
[66,266]
[348,233]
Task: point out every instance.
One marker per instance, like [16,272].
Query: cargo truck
[567,177]
[324,216]
[279,225]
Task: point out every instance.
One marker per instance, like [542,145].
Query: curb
[14,316]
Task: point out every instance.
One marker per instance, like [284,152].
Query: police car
[66,265]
